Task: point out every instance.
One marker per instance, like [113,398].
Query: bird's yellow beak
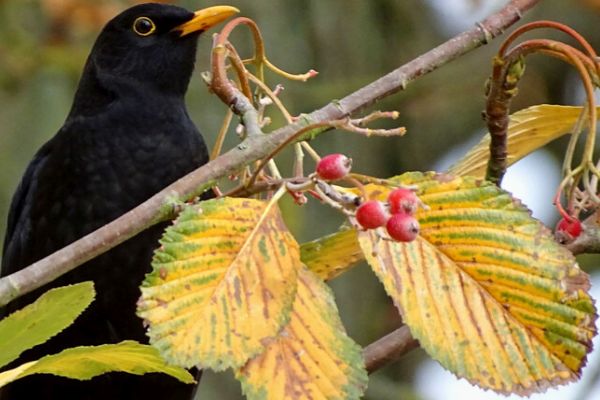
[206,18]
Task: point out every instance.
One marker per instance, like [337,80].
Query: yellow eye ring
[143,26]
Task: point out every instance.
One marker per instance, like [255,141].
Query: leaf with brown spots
[223,283]
[485,288]
[312,358]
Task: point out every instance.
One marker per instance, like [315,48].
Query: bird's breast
[110,163]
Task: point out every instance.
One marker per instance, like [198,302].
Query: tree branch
[589,240]
[388,349]
[158,207]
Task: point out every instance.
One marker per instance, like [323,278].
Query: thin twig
[258,187]
[350,125]
[354,126]
[216,150]
[311,152]
[280,147]
[240,70]
[273,96]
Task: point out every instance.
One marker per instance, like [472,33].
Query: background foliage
[43,45]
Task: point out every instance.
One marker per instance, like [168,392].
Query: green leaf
[312,358]
[48,315]
[485,288]
[85,362]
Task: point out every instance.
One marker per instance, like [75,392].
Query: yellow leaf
[222,283]
[86,362]
[528,130]
[312,358]
[485,288]
[331,255]
[11,375]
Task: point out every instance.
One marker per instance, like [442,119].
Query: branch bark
[255,147]
[589,240]
[388,349]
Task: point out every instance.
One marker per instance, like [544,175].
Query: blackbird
[127,136]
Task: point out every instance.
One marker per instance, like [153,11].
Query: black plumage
[127,136]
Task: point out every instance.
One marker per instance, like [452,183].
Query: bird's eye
[143,26]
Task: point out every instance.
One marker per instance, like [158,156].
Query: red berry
[403,227]
[403,201]
[570,227]
[333,167]
[372,214]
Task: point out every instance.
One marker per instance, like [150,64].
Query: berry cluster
[397,215]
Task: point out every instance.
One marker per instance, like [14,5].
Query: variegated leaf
[485,288]
[222,283]
[312,358]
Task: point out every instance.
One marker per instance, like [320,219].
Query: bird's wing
[17,231]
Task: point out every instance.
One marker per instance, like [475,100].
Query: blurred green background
[44,43]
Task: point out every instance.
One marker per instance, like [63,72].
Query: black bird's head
[149,44]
